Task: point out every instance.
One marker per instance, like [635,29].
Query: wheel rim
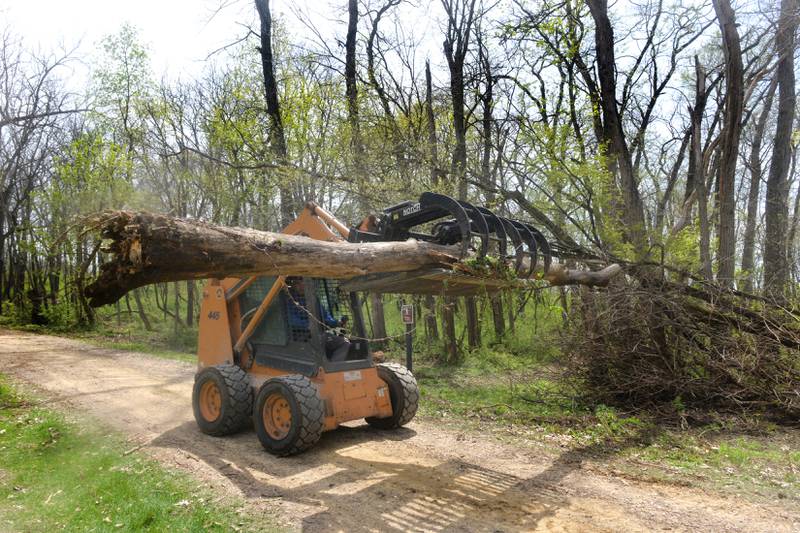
[210,401]
[277,416]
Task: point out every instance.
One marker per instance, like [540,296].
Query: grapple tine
[455,222]
[442,201]
[530,240]
[544,246]
[496,227]
[479,223]
[516,239]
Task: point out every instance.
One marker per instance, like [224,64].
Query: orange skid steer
[291,353]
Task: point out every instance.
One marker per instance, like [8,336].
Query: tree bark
[277,137]
[431,124]
[351,90]
[756,174]
[776,268]
[731,130]
[697,171]
[139,307]
[460,18]
[190,303]
[618,156]
[473,322]
[449,329]
[431,327]
[147,248]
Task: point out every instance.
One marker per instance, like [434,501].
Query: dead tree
[731,131]
[697,171]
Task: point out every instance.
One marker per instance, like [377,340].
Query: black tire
[404,393]
[307,415]
[236,399]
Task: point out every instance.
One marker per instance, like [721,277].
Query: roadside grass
[62,474]
[766,464]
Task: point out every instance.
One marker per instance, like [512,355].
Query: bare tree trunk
[277,136]
[378,319]
[734,100]
[748,249]
[190,303]
[617,153]
[449,327]
[460,18]
[177,301]
[431,327]
[351,90]
[436,178]
[147,248]
[792,244]
[512,312]
[776,268]
[431,123]
[140,309]
[473,322]
[697,168]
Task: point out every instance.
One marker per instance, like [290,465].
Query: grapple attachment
[440,219]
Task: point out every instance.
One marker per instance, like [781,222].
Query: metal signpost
[407,313]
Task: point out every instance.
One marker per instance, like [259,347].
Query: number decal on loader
[213,315]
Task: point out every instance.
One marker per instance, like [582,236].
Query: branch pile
[149,248]
[680,346]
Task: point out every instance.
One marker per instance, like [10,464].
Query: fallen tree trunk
[559,275]
[149,248]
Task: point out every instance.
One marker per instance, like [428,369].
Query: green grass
[134,345]
[770,461]
[60,474]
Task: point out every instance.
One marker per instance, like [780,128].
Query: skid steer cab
[288,354]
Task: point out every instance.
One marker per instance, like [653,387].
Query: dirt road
[422,478]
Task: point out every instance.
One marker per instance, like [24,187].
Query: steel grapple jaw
[477,231]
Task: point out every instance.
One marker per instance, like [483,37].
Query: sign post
[407,313]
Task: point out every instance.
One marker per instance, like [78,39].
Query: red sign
[407,313]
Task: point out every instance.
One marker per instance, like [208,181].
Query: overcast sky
[178,33]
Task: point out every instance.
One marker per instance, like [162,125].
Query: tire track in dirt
[420,478]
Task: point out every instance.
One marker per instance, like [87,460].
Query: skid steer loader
[291,353]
